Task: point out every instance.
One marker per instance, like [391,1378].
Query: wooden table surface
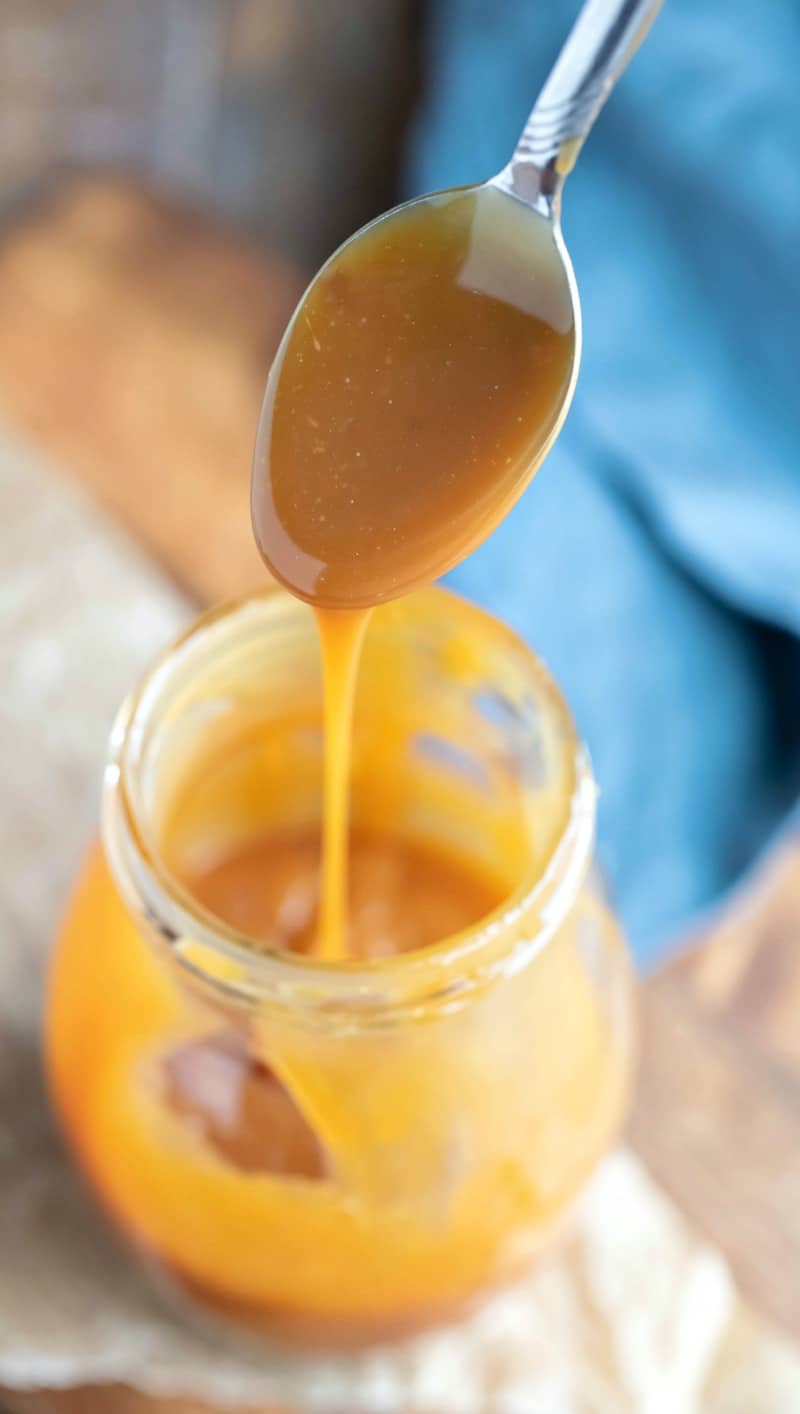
[134,344]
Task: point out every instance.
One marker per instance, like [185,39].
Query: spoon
[431,363]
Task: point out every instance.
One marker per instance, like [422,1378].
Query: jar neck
[153,737]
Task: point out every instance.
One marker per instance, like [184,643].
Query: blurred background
[286,117]
[171,173]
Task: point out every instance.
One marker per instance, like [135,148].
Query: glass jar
[342,1152]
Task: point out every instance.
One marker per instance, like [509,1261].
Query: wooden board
[111,1399]
[134,343]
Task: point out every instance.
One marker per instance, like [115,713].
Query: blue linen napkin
[655,561]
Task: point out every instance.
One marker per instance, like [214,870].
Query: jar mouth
[444,973]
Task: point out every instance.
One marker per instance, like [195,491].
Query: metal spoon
[525,200]
[600,45]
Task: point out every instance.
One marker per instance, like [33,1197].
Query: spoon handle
[602,41]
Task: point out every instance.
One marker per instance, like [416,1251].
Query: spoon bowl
[432,361]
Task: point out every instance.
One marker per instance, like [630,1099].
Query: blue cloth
[655,561]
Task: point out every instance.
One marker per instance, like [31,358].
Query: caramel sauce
[421,381]
[416,390]
[402,895]
[344,1184]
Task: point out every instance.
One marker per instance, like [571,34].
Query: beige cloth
[632,1316]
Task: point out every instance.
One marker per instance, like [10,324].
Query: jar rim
[442,974]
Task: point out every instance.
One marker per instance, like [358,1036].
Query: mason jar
[338,1153]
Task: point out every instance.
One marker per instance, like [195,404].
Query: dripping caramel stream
[341,636]
[417,388]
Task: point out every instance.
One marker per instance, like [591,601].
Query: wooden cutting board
[134,343]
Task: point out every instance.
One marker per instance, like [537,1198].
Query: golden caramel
[417,388]
[420,383]
[344,1153]
[343,1189]
[403,894]
[348,1153]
